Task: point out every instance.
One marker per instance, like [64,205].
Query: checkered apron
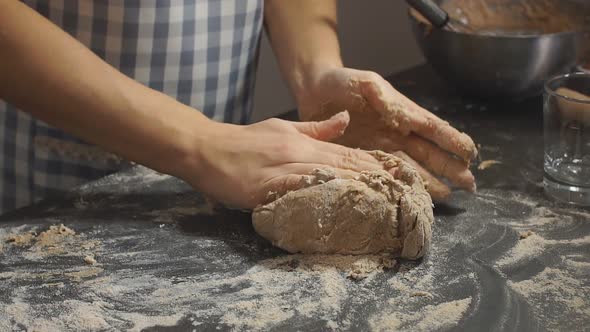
[201,52]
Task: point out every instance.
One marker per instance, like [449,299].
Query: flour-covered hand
[384,119]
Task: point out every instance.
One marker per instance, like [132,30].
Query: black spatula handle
[431,11]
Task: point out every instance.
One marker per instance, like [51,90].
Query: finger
[325,130]
[432,157]
[354,153]
[352,162]
[402,114]
[440,162]
[444,135]
[306,169]
[437,190]
[440,132]
[300,176]
[347,158]
[335,156]
[386,101]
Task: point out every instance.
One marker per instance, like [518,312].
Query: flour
[78,315]
[270,293]
[21,240]
[123,182]
[432,317]
[413,286]
[267,295]
[416,305]
[561,287]
[56,240]
[527,248]
[89,259]
[79,275]
[576,264]
[533,246]
[356,267]
[560,290]
[543,217]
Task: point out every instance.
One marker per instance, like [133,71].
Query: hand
[240,165]
[384,119]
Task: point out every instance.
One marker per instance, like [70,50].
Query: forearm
[304,38]
[49,74]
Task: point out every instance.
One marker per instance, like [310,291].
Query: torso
[201,52]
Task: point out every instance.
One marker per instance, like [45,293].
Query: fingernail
[341,116]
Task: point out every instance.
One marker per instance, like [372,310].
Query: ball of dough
[372,213]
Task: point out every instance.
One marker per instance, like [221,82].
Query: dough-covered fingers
[386,101]
[444,135]
[431,157]
[402,114]
[437,190]
[343,157]
[440,162]
[439,132]
[325,130]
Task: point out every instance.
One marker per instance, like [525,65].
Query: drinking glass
[566,117]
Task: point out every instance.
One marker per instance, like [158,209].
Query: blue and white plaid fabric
[201,52]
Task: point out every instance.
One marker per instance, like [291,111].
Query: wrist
[308,78]
[200,148]
[187,140]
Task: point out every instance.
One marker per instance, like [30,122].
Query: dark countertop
[164,262]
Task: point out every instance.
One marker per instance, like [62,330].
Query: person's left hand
[384,119]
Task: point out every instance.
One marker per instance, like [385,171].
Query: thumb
[326,130]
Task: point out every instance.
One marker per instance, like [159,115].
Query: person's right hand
[240,165]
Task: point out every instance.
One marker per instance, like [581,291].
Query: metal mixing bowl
[513,66]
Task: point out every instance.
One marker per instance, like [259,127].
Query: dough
[372,213]
[541,16]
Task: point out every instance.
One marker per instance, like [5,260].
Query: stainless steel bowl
[510,65]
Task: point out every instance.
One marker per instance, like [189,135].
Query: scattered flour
[356,267]
[141,175]
[576,264]
[57,240]
[523,199]
[557,290]
[561,288]
[269,293]
[86,272]
[533,246]
[141,321]
[527,248]
[89,259]
[543,217]
[432,317]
